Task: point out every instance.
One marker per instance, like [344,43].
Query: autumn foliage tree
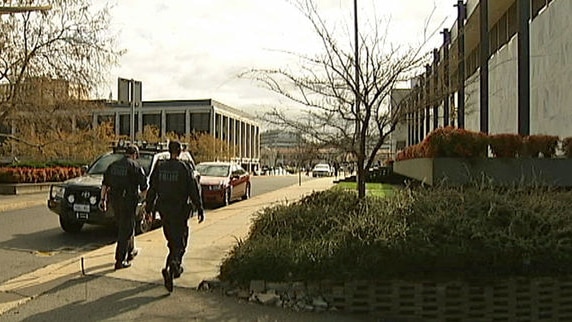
[50,61]
[53,144]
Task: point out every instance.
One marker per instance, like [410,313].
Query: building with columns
[184,117]
[503,67]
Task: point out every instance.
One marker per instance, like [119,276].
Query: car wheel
[227,195]
[246,192]
[70,226]
[145,221]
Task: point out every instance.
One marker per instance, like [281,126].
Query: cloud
[192,49]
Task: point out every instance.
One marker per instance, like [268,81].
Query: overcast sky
[193,49]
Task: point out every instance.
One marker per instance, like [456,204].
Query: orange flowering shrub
[37,175]
[450,142]
[567,146]
[506,145]
[411,152]
[533,145]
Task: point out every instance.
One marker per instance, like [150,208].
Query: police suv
[76,200]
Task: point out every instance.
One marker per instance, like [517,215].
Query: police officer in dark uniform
[172,183]
[124,181]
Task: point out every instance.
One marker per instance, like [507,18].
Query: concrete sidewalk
[208,245]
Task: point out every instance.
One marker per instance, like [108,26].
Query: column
[446,76]
[484,65]
[461,63]
[523,13]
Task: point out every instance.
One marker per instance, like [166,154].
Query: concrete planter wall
[502,171]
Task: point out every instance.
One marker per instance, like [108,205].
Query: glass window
[153,120]
[213,170]
[200,122]
[124,125]
[175,123]
[101,164]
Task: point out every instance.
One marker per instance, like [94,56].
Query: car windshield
[101,164]
[213,170]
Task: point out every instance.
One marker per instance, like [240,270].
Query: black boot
[122,264]
[168,279]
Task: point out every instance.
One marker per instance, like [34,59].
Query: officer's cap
[175,146]
[132,149]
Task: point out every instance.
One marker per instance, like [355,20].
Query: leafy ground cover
[372,189]
[416,233]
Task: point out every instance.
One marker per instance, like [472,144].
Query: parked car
[76,200]
[322,170]
[223,182]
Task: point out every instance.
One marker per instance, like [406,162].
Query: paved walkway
[92,279]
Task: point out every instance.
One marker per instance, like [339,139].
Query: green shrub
[437,232]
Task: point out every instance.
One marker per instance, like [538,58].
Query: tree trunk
[361,176]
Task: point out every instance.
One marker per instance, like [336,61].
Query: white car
[322,170]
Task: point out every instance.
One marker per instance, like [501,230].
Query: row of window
[174,122]
[501,32]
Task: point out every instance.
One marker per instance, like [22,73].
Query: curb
[8,206]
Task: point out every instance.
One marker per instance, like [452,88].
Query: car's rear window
[102,163]
[213,170]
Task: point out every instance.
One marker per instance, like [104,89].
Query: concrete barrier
[501,171]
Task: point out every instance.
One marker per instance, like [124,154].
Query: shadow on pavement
[90,298]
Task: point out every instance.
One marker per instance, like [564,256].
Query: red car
[223,182]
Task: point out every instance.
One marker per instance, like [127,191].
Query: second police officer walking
[124,182]
[172,183]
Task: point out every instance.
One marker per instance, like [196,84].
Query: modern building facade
[184,117]
[504,67]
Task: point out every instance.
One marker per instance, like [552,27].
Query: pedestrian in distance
[336,169]
[174,192]
[124,184]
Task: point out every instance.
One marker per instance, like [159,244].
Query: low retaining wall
[537,299]
[511,299]
[502,171]
[23,188]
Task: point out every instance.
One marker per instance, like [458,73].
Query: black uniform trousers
[125,217]
[174,218]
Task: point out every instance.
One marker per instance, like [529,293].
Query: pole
[132,103]
[361,148]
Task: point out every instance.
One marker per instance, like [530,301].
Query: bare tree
[327,87]
[71,43]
